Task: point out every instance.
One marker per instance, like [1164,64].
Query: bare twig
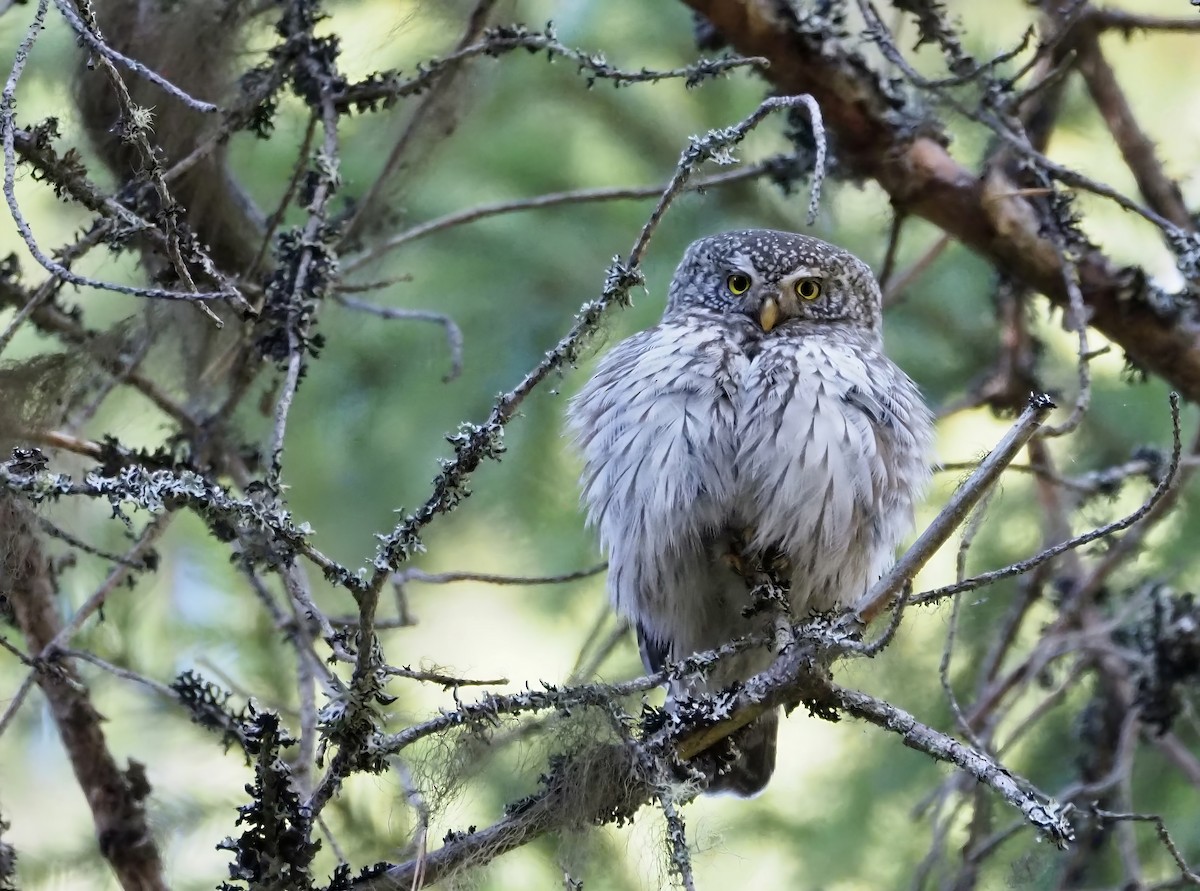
[956,510]
[299,168]
[17,700]
[435,108]
[1076,316]
[132,560]
[541,202]
[454,338]
[412,574]
[97,45]
[1186,872]
[1024,566]
[895,287]
[1127,545]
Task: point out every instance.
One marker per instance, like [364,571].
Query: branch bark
[608,783]
[115,796]
[876,140]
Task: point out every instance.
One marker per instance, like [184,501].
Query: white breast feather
[816,447]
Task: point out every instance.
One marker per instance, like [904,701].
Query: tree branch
[886,139]
[116,797]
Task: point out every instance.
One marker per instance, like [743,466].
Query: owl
[760,416]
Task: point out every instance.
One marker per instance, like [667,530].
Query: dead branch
[116,797]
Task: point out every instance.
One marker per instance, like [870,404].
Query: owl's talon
[737,563]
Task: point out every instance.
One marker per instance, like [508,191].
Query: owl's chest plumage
[814,444]
[832,443]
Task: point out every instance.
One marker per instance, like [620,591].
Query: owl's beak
[768,314]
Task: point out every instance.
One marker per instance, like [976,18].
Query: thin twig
[1024,566]
[132,560]
[299,168]
[889,255]
[412,574]
[1125,547]
[99,46]
[117,671]
[956,510]
[541,202]
[454,337]
[1076,320]
[970,531]
[1186,872]
[78,544]
[17,700]
[1045,814]
[435,108]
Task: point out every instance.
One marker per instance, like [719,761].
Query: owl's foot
[750,563]
[737,557]
[735,562]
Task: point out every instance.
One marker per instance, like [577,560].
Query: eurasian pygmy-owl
[761,410]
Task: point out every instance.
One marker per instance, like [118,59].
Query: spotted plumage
[761,407]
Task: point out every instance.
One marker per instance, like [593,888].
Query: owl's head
[774,278]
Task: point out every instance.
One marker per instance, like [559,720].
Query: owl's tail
[749,774]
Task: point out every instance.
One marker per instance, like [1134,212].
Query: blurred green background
[369,421]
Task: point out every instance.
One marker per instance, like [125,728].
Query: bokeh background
[844,810]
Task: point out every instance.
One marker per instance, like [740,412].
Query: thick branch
[876,139]
[607,783]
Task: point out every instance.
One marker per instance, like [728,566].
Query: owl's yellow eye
[808,289]
[738,283]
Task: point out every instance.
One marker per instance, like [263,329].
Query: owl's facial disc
[776,281]
[788,303]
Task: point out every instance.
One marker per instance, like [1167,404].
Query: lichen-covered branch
[896,142]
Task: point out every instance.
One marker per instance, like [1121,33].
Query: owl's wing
[656,428]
